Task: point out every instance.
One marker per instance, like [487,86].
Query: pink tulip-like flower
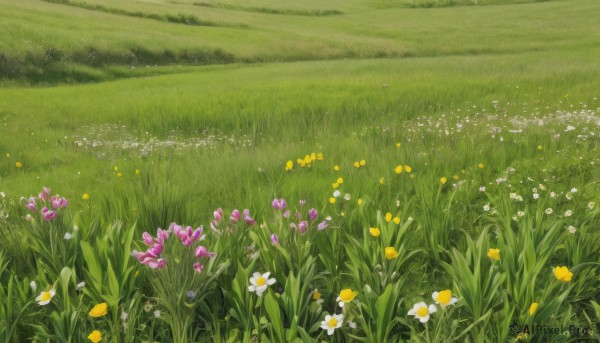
[201,251]
[156,263]
[286,214]
[49,215]
[218,214]
[59,203]
[303,226]
[279,204]
[198,267]
[247,218]
[45,194]
[274,239]
[31,205]
[162,235]
[312,214]
[235,216]
[148,240]
[322,225]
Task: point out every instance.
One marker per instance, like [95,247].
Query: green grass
[160,122]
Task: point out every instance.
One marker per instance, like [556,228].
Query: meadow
[269,171]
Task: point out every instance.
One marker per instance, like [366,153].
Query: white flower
[569,196]
[260,282]
[124,315]
[536,196]
[332,322]
[486,207]
[397,203]
[482,188]
[422,311]
[573,190]
[347,197]
[352,324]
[80,286]
[157,313]
[444,298]
[520,214]
[45,297]
[513,195]
[591,205]
[572,229]
[336,193]
[552,195]
[542,187]
[568,213]
[519,198]
[33,286]
[2,195]
[549,210]
[68,235]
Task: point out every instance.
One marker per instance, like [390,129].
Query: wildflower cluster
[45,199]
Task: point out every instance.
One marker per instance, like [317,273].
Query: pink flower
[59,203]
[312,214]
[201,251]
[31,205]
[218,214]
[156,263]
[279,204]
[235,216]
[45,194]
[198,267]
[322,225]
[148,240]
[247,217]
[286,214]
[303,226]
[274,239]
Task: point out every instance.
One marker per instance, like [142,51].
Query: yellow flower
[340,180]
[116,168]
[455,177]
[359,202]
[316,295]
[362,162]
[407,168]
[319,156]
[388,217]
[19,165]
[539,147]
[7,155]
[443,180]
[390,253]
[562,274]
[119,174]
[95,336]
[398,145]
[533,308]
[356,165]
[336,168]
[99,310]
[494,254]
[346,296]
[398,169]
[375,232]
[481,166]
[444,298]
[332,200]
[335,185]
[396,220]
[86,196]
[381,181]
[137,172]
[313,156]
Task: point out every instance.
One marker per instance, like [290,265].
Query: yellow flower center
[422,312]
[46,296]
[347,295]
[444,297]
[332,322]
[316,295]
[261,281]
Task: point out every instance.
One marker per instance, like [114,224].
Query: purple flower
[286,214]
[247,217]
[218,214]
[322,225]
[198,267]
[59,203]
[279,204]
[235,216]
[303,226]
[312,214]
[274,239]
[155,263]
[45,194]
[31,205]
[148,240]
[49,215]
[201,251]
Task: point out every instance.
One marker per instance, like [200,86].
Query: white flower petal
[412,312]
[424,319]
[270,281]
[434,296]
[432,308]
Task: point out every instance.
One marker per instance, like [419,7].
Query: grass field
[409,138]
